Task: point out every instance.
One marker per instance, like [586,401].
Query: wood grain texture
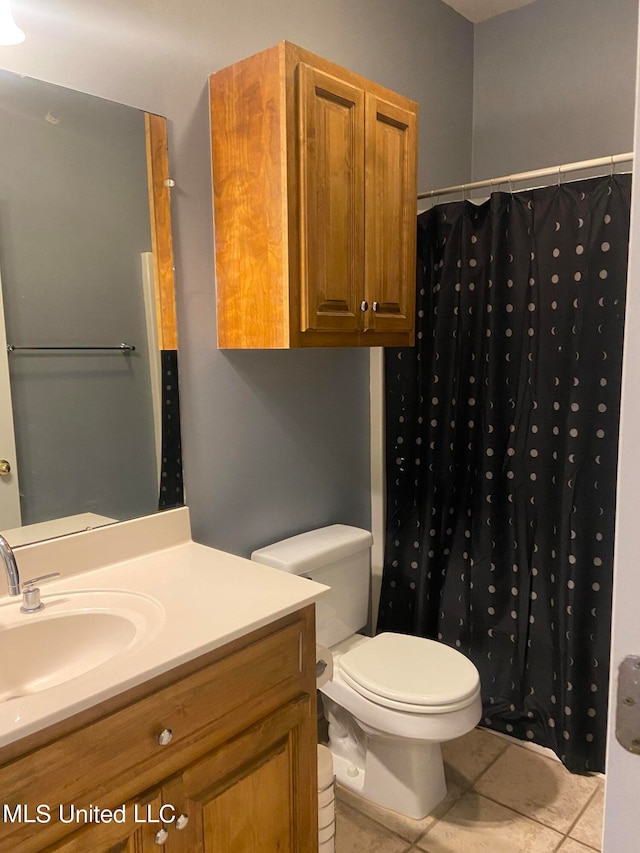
[116,757]
[249,193]
[390,216]
[127,837]
[161,236]
[331,123]
[290,161]
[250,796]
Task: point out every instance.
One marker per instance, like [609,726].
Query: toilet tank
[338,556]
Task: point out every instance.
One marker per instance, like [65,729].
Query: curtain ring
[510,185]
[559,174]
[464,197]
[613,167]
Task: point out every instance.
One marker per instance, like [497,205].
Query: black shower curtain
[171,484]
[501,443]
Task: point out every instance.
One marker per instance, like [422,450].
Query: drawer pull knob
[181,821]
[165,737]
[364,305]
[161,836]
[376,306]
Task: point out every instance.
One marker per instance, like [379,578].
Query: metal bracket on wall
[628,704]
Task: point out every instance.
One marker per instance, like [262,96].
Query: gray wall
[74,219]
[274,442]
[554,83]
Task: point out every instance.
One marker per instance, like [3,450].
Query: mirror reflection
[89,409]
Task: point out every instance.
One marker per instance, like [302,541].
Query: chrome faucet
[30,593]
[10,565]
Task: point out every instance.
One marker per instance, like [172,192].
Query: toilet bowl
[386,738]
[393,698]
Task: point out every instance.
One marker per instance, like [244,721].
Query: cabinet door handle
[364,305]
[376,306]
[161,836]
[165,737]
[181,821]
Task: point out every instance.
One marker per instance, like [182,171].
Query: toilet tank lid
[315,548]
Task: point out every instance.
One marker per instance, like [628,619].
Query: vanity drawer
[114,758]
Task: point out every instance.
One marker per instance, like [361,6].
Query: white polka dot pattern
[501,453]
[171,484]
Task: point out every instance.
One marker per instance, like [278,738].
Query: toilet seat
[410,674]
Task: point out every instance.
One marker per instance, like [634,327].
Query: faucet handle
[33,581]
[31,594]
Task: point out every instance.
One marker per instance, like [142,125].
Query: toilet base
[406,777]
[389,756]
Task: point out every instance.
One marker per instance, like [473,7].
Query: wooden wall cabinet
[237,776]
[314,189]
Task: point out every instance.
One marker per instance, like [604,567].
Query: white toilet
[393,698]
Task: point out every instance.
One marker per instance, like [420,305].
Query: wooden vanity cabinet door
[255,794]
[128,837]
[331,139]
[390,204]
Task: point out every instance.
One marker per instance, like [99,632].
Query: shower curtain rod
[536,173]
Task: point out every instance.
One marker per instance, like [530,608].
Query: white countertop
[55,527]
[204,598]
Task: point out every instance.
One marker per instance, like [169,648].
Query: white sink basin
[75,633]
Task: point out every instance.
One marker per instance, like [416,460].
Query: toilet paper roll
[324,665]
[327,815]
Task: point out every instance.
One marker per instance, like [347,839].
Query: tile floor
[502,798]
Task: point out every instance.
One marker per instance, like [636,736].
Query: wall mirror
[89,409]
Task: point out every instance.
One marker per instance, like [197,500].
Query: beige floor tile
[356,833]
[403,826]
[477,825]
[465,758]
[537,787]
[588,829]
[572,846]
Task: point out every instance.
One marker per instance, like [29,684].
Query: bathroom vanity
[208,746]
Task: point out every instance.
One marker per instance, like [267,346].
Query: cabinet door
[256,794]
[331,139]
[390,203]
[137,834]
